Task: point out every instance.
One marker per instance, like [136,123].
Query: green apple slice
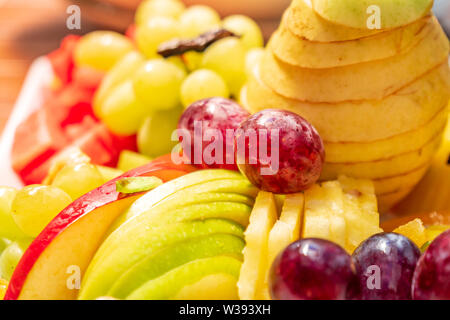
[171,187]
[356,13]
[214,205]
[101,274]
[172,257]
[168,285]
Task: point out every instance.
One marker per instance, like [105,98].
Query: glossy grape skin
[158,8]
[203,84]
[311,269]
[227,58]
[246,28]
[431,279]
[8,227]
[198,19]
[212,114]
[155,31]
[36,205]
[10,257]
[102,49]
[154,136]
[157,84]
[78,179]
[301,152]
[396,257]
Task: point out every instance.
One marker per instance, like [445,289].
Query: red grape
[285,155]
[205,121]
[385,265]
[311,269]
[431,279]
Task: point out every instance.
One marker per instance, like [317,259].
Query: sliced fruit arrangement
[280,204]
[328,65]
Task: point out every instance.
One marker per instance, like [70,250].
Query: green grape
[102,49]
[252,60]
[122,112]
[227,58]
[129,160]
[177,61]
[3,244]
[202,84]
[78,179]
[251,35]
[11,257]
[198,19]
[121,71]
[36,205]
[154,32]
[192,60]
[8,227]
[157,84]
[154,137]
[158,8]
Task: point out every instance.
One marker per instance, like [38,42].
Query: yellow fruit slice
[387,200]
[305,23]
[285,231]
[255,265]
[389,147]
[415,231]
[299,52]
[361,212]
[369,80]
[366,121]
[432,192]
[324,213]
[385,168]
[356,13]
[392,184]
[213,287]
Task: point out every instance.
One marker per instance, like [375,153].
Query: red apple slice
[70,240]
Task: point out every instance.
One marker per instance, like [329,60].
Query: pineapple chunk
[316,223]
[285,231]
[255,265]
[361,213]
[415,231]
[324,213]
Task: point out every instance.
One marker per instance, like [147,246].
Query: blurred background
[33,28]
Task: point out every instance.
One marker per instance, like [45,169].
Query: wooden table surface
[31,28]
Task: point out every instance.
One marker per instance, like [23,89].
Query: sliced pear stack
[378,97]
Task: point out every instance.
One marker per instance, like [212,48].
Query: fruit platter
[191,159]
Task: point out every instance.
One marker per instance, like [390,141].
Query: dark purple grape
[288,155]
[311,269]
[431,279]
[205,120]
[385,265]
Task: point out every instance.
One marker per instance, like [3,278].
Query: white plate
[30,98]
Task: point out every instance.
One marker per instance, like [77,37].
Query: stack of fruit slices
[378,97]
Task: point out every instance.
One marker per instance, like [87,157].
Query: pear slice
[298,51]
[170,284]
[363,121]
[389,167]
[305,23]
[356,13]
[369,80]
[174,256]
[101,274]
[255,265]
